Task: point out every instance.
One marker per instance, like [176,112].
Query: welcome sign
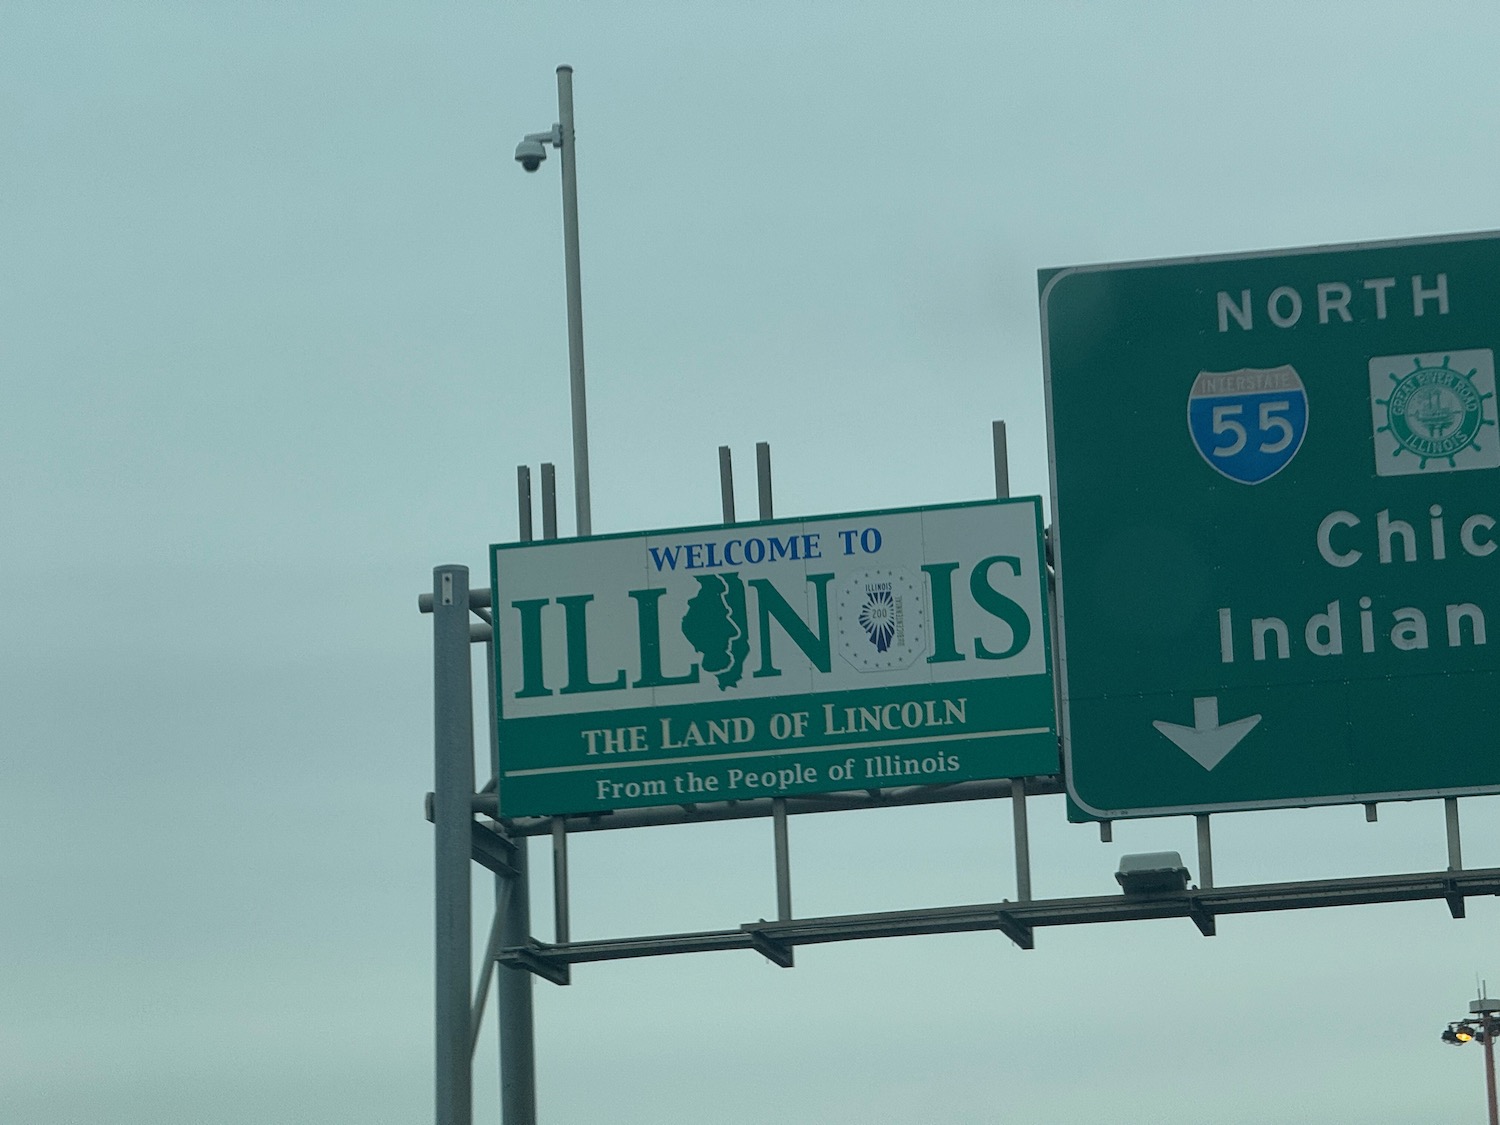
[860,651]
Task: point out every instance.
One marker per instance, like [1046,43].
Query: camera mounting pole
[583,517]
[530,153]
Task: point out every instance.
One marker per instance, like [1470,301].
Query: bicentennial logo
[1429,412]
[1248,424]
[882,620]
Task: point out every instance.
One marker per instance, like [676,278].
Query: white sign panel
[626,662]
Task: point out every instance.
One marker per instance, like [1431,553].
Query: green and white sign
[1276,480]
[720,663]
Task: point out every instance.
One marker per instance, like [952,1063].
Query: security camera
[530,153]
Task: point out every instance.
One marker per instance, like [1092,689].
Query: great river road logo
[1248,424]
[1429,412]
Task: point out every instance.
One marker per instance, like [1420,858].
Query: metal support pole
[1017,784]
[549,500]
[763,477]
[726,483]
[1491,1028]
[575,302]
[487,970]
[523,503]
[513,985]
[1205,853]
[1002,463]
[1023,839]
[453,795]
[778,806]
[783,861]
[560,879]
[1455,844]
[513,999]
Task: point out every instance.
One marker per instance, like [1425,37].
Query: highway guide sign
[1276,480]
[860,651]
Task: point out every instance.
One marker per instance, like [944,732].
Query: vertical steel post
[1205,853]
[492,947]
[452,803]
[549,500]
[513,1006]
[1023,838]
[1106,830]
[559,828]
[1455,844]
[523,505]
[1017,784]
[513,998]
[763,477]
[560,880]
[1491,1028]
[575,303]
[783,861]
[778,806]
[726,483]
[1002,462]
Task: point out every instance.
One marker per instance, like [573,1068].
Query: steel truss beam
[1017,920]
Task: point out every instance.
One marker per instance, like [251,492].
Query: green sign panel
[772,659]
[1276,480]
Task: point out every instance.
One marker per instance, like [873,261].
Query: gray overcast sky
[279,316]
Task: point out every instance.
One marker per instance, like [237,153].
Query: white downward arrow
[1206,742]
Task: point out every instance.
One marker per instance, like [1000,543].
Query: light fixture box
[1152,873]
